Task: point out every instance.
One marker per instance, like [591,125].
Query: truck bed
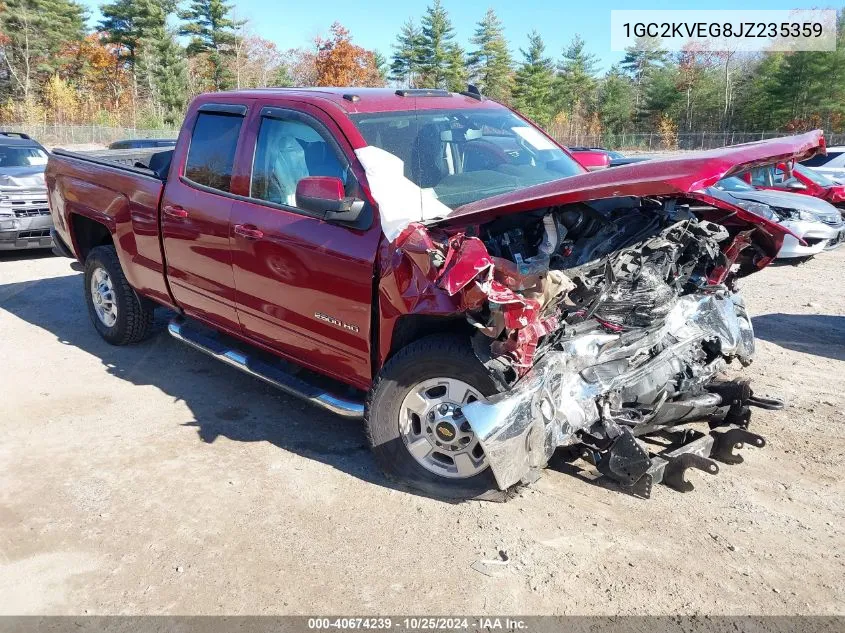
[149,162]
[93,189]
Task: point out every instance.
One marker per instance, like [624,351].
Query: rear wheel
[118,314]
[415,421]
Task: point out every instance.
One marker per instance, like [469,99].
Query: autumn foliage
[339,62]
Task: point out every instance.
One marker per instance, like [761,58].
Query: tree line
[145,59]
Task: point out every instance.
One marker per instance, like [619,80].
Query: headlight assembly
[757,208]
[8,223]
[794,214]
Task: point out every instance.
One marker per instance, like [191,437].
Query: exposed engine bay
[601,322]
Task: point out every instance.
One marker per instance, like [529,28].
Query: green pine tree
[456,69]
[380,62]
[532,93]
[166,71]
[616,99]
[121,25]
[490,62]
[759,109]
[576,84]
[282,78]
[436,47]
[211,27]
[151,53]
[640,59]
[404,67]
[36,32]
[661,96]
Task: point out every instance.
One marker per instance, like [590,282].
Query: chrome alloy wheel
[435,431]
[102,295]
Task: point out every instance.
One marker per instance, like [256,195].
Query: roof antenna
[473,92]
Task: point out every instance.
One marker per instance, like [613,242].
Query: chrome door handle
[175,211]
[249,231]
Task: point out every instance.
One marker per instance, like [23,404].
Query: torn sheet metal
[456,276]
[520,430]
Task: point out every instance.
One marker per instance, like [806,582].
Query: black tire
[436,356]
[134,314]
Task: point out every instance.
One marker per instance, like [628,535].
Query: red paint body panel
[303,267]
[196,247]
[329,296]
[659,177]
[124,202]
[323,187]
[591,160]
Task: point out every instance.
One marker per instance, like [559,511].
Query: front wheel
[415,423]
[118,314]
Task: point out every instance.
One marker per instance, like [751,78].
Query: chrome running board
[180,329]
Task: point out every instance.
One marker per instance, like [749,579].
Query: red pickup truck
[434,263]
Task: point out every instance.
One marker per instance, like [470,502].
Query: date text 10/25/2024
[419,623]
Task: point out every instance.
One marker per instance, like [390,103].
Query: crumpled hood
[30,177]
[787,200]
[680,175]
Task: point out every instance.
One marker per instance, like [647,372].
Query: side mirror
[797,185]
[325,194]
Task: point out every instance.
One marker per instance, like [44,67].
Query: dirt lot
[153,480]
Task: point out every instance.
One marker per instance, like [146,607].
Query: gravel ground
[151,479]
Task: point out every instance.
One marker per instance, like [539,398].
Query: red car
[437,265]
[798,179]
[591,158]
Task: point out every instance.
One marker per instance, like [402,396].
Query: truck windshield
[11,156]
[814,176]
[466,155]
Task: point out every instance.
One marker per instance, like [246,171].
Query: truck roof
[365,100]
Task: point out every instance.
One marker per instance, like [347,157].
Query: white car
[832,165]
[817,222]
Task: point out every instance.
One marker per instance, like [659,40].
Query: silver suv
[25,220]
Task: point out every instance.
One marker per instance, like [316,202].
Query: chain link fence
[655,142]
[54,135]
[51,135]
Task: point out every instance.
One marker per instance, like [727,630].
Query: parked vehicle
[797,179]
[831,164]
[144,143]
[482,307]
[815,225]
[629,160]
[590,158]
[25,220]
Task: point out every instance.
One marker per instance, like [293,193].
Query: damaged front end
[605,322]
[599,390]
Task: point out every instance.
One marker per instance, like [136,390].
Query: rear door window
[212,151]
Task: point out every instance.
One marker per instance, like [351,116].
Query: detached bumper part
[559,399]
